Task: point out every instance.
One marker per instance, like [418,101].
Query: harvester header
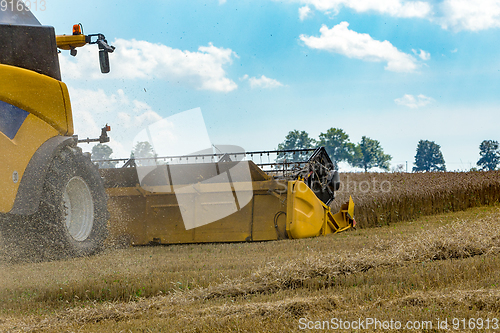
[287,198]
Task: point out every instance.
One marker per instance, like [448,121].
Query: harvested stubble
[459,240]
[282,293]
[384,198]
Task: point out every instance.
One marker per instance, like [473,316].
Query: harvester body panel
[38,94]
[34,108]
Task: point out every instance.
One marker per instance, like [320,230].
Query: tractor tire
[72,217]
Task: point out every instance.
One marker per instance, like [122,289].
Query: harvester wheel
[72,216]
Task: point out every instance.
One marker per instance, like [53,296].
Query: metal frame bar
[196,156]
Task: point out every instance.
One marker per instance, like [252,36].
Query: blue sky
[396,71]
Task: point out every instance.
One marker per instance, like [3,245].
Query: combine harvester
[56,203]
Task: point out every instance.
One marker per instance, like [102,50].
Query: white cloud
[262,82]
[92,109]
[470,15]
[397,8]
[454,51]
[422,54]
[304,12]
[341,40]
[134,59]
[221,2]
[414,102]
[457,15]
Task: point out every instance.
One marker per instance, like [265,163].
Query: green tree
[429,157]
[337,145]
[490,155]
[143,149]
[296,140]
[103,152]
[368,154]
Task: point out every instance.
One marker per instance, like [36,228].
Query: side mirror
[104,61]
[104,49]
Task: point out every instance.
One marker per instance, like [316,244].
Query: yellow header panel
[305,212]
[40,95]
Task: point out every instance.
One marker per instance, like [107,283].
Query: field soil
[421,272]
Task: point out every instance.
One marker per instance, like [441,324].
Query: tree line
[368,153]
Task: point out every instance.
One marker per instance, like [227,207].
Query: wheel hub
[79,208]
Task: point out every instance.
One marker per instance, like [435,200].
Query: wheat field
[384,198]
